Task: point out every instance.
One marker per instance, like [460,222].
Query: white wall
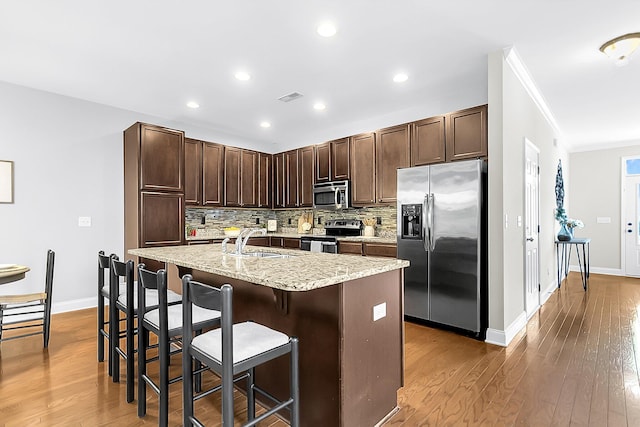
[594,191]
[514,116]
[68,163]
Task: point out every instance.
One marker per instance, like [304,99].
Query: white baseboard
[503,338]
[73,305]
[600,270]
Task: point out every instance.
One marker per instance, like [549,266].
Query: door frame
[528,143]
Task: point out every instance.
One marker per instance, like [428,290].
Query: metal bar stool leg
[294,384]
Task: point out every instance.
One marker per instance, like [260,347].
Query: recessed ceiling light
[265,124]
[400,77]
[193,104]
[327,29]
[242,76]
[319,106]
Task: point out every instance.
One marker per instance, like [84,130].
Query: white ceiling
[153,56]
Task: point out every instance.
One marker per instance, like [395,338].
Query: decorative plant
[574,223]
[561,214]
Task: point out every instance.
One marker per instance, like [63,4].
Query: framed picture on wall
[6,181]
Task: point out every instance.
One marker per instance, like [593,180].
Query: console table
[563,255]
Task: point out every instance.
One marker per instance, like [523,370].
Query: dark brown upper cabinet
[279,181]
[212,174]
[340,155]
[392,153]
[161,158]
[323,162]
[192,172]
[161,218]
[363,169]
[248,178]
[240,177]
[232,176]
[467,134]
[265,172]
[332,161]
[204,173]
[428,141]
[291,178]
[306,170]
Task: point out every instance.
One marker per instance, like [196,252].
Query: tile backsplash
[212,221]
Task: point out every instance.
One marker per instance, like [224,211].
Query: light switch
[603,220]
[519,220]
[379,311]
[84,221]
[506,221]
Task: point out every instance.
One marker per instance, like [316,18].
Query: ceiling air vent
[290,97]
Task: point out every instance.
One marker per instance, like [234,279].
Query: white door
[631,218]
[532,228]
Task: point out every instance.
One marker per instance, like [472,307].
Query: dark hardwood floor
[576,364]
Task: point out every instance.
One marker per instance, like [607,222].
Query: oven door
[330,247]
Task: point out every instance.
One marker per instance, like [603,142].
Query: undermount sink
[261,255]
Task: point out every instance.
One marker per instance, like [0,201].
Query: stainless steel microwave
[331,195]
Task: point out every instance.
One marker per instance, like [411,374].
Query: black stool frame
[104,267]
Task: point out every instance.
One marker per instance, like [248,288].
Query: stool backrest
[211,298]
[48,282]
[125,270]
[104,265]
[153,280]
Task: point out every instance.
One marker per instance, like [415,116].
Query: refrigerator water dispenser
[412,221]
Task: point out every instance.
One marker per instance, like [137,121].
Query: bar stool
[165,320]
[230,350]
[104,266]
[127,302]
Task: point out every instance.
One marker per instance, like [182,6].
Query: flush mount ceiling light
[193,104]
[265,124]
[621,48]
[400,77]
[242,76]
[327,29]
[319,106]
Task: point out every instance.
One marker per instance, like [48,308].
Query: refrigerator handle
[432,224]
[426,236]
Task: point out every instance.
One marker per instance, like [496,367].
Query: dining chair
[230,350]
[164,320]
[33,309]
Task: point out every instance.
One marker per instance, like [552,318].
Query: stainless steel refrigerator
[442,231]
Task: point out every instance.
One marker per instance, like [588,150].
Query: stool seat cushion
[151,298]
[249,339]
[174,316]
[122,288]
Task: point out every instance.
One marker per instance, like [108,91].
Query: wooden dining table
[12,272]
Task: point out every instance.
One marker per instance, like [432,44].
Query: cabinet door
[305,183]
[392,152]
[363,169]
[192,172]
[290,243]
[248,178]
[232,176]
[291,178]
[212,174]
[161,159]
[161,219]
[277,242]
[323,162]
[427,142]
[279,181]
[354,248]
[467,134]
[340,159]
[265,169]
[380,249]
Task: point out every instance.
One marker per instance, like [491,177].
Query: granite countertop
[297,236]
[303,271]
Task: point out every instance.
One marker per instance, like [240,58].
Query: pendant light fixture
[621,48]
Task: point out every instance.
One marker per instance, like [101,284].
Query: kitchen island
[347,312]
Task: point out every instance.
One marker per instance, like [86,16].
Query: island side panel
[312,316]
[372,351]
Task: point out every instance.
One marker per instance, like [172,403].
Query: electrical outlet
[379,220]
[289,221]
[379,311]
[257,220]
[319,220]
[203,220]
[84,221]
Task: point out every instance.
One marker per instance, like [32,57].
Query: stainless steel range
[334,228]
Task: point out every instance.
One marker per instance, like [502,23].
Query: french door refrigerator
[442,231]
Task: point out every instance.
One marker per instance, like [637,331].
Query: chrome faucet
[241,243]
[224,245]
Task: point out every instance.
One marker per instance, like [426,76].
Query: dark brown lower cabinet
[380,249]
[354,248]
